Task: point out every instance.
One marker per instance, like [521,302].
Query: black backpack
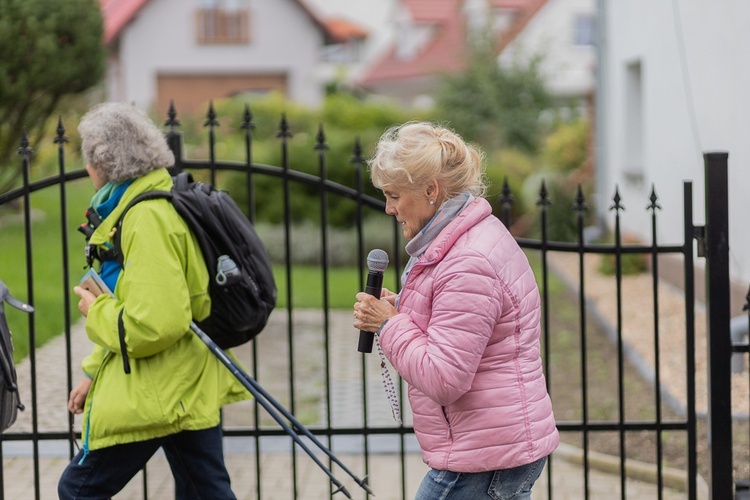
[10,402]
[242,286]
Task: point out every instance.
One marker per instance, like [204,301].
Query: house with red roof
[192,51]
[431,39]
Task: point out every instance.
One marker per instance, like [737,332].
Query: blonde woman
[464,330]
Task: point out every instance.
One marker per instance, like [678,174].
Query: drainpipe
[599,111]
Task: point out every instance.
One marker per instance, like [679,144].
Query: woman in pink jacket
[464,330]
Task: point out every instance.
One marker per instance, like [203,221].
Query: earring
[432,202]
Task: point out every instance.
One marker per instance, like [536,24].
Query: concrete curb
[675,479]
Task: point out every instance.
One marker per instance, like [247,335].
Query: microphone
[377,261]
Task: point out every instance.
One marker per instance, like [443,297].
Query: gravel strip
[638,328]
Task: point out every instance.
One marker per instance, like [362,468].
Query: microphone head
[377,260]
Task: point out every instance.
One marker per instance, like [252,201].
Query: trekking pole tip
[343,490]
[363,484]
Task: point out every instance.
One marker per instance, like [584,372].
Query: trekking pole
[299,426]
[243,378]
[5,296]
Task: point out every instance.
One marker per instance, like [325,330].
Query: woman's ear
[433,190]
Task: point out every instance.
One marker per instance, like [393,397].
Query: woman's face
[412,209]
[96,178]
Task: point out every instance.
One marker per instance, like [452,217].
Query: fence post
[718,319]
[174,139]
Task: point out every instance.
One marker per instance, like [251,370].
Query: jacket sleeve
[441,362]
[152,292]
[93,361]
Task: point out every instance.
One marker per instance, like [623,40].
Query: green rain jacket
[175,383]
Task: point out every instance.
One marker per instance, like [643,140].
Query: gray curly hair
[121,142]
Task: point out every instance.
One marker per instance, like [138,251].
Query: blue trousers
[505,484]
[196,459]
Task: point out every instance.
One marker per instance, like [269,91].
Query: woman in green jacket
[149,381]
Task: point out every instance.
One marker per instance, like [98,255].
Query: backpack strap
[115,253]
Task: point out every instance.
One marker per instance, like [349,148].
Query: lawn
[49,288]
[307,286]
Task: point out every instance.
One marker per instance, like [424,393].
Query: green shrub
[566,148]
[562,216]
[343,119]
[630,263]
[514,166]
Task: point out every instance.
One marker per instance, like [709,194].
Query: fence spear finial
[320,139]
[543,200]
[211,116]
[580,205]
[357,157]
[617,199]
[25,150]
[284,130]
[60,137]
[653,205]
[506,198]
[172,120]
[247,119]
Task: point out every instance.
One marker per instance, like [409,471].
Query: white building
[430,39]
[674,84]
[564,32]
[192,51]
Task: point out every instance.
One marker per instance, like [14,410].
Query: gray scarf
[448,211]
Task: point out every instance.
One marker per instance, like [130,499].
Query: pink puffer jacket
[466,340]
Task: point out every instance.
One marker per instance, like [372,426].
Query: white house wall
[161,39]
[694,88]
[375,16]
[569,69]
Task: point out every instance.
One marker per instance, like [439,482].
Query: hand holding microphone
[377,261]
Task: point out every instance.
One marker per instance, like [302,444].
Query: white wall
[695,83]
[569,69]
[162,39]
[376,16]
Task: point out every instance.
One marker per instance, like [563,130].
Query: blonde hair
[121,142]
[412,155]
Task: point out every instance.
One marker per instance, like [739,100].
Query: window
[222,22]
[634,134]
[343,53]
[584,30]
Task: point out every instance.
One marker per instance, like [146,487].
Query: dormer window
[222,22]
[584,30]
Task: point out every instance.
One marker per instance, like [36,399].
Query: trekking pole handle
[5,296]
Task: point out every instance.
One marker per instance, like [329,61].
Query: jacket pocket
[447,423]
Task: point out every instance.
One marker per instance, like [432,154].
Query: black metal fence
[301,364]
